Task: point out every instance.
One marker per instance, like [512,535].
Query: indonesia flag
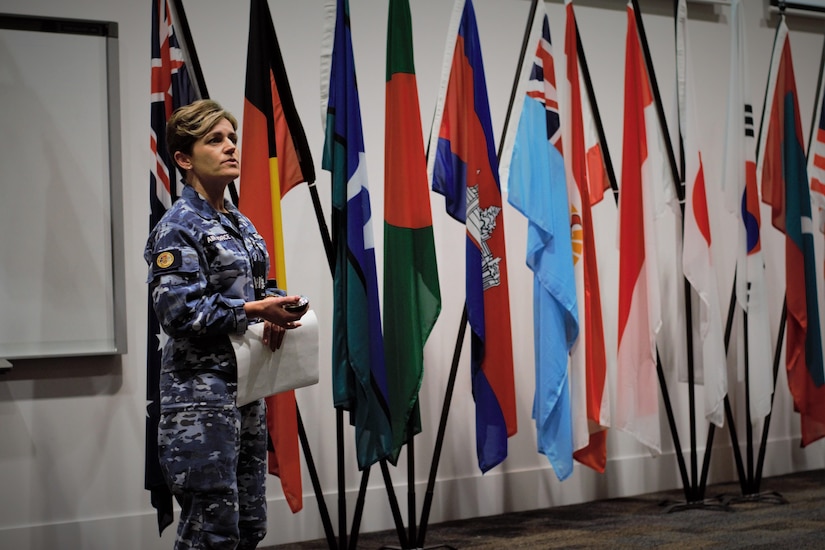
[640,315]
[742,198]
[586,180]
[696,257]
[785,186]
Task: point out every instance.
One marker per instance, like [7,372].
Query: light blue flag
[538,189]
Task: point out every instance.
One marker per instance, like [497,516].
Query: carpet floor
[789,513]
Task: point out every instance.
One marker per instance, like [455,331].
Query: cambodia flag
[464,169]
[782,167]
[275,158]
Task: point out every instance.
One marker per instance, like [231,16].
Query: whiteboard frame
[107,31]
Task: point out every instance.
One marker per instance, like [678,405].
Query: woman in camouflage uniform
[207,273]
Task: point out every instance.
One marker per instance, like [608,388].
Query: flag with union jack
[172,87]
[538,189]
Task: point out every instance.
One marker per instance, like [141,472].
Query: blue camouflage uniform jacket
[203,266]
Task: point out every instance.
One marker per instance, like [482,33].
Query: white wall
[72,430]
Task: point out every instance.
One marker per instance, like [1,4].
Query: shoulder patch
[168,259]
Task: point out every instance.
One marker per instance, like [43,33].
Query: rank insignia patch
[168,259]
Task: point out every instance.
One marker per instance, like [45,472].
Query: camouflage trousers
[213,455]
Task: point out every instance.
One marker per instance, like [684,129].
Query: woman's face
[214,156]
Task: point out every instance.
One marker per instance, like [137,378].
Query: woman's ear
[183,160]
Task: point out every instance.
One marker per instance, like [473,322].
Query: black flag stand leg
[442,427]
[751,483]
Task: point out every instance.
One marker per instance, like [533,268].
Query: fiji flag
[359,375]
[171,88]
[782,167]
[464,169]
[538,189]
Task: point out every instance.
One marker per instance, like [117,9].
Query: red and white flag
[709,359]
[644,173]
[586,179]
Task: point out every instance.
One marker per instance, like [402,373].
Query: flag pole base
[704,504]
[418,547]
[766,496]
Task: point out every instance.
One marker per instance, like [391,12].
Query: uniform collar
[202,206]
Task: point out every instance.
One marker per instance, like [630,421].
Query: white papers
[262,372]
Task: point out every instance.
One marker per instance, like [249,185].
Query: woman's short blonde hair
[191,122]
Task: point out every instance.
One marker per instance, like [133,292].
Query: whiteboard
[61,246]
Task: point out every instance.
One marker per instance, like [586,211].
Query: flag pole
[428,497]
[737,453]
[186,34]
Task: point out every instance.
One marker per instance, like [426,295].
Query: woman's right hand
[272,309]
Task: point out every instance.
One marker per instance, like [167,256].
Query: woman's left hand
[273,335]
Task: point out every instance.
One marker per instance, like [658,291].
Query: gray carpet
[658,520]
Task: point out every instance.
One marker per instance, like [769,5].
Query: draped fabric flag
[171,88]
[412,296]
[538,189]
[782,167]
[464,169]
[697,257]
[816,148]
[359,375]
[586,182]
[742,198]
[816,159]
[640,315]
[275,158]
